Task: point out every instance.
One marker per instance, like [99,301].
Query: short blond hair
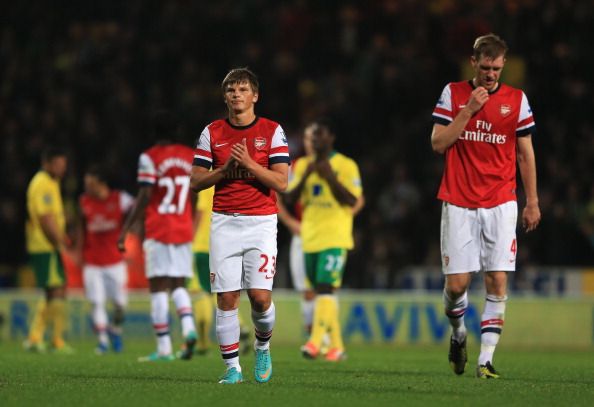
[490,46]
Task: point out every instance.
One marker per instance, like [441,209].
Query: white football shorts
[297,265]
[482,239]
[104,283]
[242,252]
[167,260]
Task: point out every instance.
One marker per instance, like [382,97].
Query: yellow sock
[39,322]
[203,311]
[57,314]
[335,332]
[321,319]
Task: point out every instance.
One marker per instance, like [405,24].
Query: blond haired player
[483,127]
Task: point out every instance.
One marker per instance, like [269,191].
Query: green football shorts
[202,270]
[48,268]
[326,267]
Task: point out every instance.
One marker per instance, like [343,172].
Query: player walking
[483,127]
[105,273]
[164,201]
[250,157]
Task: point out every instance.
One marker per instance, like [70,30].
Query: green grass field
[371,376]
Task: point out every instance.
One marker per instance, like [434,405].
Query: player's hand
[530,217]
[240,153]
[324,169]
[478,98]
[121,243]
[230,165]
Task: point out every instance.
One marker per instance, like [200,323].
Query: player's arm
[527,165]
[52,232]
[442,137]
[276,177]
[142,200]
[204,178]
[359,205]
[286,218]
[291,197]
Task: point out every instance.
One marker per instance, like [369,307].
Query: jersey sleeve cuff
[199,162]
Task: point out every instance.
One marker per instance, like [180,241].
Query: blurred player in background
[292,220]
[483,127]
[164,200]
[103,211]
[328,185]
[250,157]
[46,244]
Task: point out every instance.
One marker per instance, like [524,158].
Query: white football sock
[227,327]
[263,324]
[183,303]
[159,314]
[491,326]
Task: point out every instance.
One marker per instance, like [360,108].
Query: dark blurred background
[87,75]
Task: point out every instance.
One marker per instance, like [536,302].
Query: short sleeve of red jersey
[147,173]
[526,123]
[442,114]
[203,153]
[279,148]
[126,201]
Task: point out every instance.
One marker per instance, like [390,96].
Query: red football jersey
[103,222]
[168,216]
[480,167]
[240,192]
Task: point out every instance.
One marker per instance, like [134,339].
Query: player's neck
[242,118]
[103,193]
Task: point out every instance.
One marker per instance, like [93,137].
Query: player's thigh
[329,267]
[498,243]
[93,281]
[167,260]
[297,265]
[201,261]
[225,255]
[460,239]
[259,258]
[48,269]
[116,281]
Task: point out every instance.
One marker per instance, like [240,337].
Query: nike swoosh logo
[268,277]
[221,145]
[265,375]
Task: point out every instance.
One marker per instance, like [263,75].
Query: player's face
[57,166]
[487,71]
[240,97]
[321,139]
[91,184]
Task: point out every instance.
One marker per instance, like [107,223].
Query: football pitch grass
[373,376]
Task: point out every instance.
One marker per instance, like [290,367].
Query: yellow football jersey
[43,197]
[325,222]
[204,206]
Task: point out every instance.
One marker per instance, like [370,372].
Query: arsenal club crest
[259,143]
[505,110]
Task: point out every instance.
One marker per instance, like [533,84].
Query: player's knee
[260,300]
[118,316]
[309,295]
